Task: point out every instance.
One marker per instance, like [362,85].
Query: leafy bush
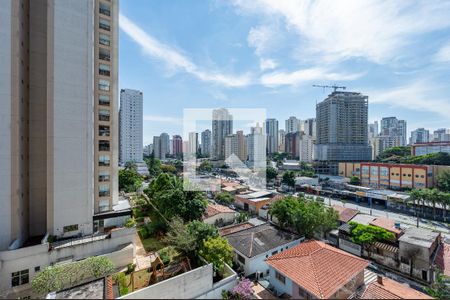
[123,291]
[130,222]
[130,268]
[143,232]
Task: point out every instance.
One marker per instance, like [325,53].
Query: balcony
[104,56]
[104,9]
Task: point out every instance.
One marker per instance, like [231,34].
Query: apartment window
[103,190]
[103,160]
[70,228]
[104,39]
[104,54]
[103,145]
[103,176]
[105,9]
[103,130]
[104,24]
[103,206]
[280,277]
[103,85]
[103,114]
[103,100]
[19,278]
[37,269]
[104,70]
[241,259]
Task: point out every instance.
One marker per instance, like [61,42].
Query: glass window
[104,69]
[19,278]
[280,277]
[103,85]
[103,130]
[104,39]
[104,24]
[103,176]
[70,228]
[103,114]
[104,54]
[103,190]
[103,145]
[103,100]
[241,259]
[103,160]
[105,9]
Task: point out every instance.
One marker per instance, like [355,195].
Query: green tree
[180,237]
[202,231]
[289,178]
[218,252]
[271,173]
[58,277]
[224,198]
[440,288]
[355,180]
[130,165]
[205,166]
[242,217]
[367,235]
[129,180]
[443,182]
[394,153]
[169,169]
[153,165]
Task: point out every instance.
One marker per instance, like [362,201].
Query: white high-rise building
[222,126]
[193,143]
[256,147]
[281,140]
[206,142]
[292,124]
[306,148]
[420,135]
[271,127]
[164,144]
[309,127]
[231,145]
[131,126]
[373,130]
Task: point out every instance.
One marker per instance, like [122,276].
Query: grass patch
[152,244]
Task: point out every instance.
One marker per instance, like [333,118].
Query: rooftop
[363,219]
[320,269]
[96,289]
[258,194]
[390,289]
[419,236]
[259,239]
[387,224]
[234,228]
[215,209]
[345,213]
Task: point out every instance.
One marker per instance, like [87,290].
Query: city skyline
[184,63]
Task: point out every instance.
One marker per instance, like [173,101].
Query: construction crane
[335,87]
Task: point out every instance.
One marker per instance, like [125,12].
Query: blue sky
[267,54]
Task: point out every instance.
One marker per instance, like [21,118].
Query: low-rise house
[345,241]
[219,215]
[253,245]
[253,201]
[418,248]
[314,269]
[345,213]
[389,225]
[385,288]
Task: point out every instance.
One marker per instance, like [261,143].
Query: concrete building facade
[177,145]
[222,126]
[419,136]
[292,124]
[271,127]
[131,126]
[206,143]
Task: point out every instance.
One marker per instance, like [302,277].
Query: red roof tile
[234,228]
[317,267]
[387,224]
[345,213]
[391,289]
[215,209]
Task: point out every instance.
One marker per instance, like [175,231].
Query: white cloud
[156,49]
[260,38]
[267,64]
[443,55]
[418,96]
[162,119]
[304,76]
[377,30]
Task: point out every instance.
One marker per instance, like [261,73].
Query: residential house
[253,245]
[385,288]
[314,269]
[345,213]
[253,201]
[219,215]
[418,248]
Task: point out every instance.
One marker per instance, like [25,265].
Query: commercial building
[222,126]
[292,125]
[131,126]
[393,176]
[271,129]
[58,101]
[342,120]
[420,136]
[205,145]
[429,148]
[177,145]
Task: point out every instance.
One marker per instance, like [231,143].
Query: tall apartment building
[131,126]
[222,126]
[309,127]
[157,153]
[393,127]
[164,144]
[59,127]
[373,130]
[193,142]
[420,135]
[341,130]
[177,145]
[292,124]
[306,148]
[206,142]
[441,135]
[271,127]
[242,145]
[231,145]
[281,140]
[291,144]
[256,147]
[148,150]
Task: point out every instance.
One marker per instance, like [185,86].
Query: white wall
[73,121]
[280,288]
[5,123]
[227,218]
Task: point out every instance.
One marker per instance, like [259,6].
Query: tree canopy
[224,198]
[271,173]
[202,231]
[153,165]
[443,182]
[440,288]
[355,180]
[306,217]
[368,234]
[289,178]
[205,166]
[218,252]
[129,180]
[403,155]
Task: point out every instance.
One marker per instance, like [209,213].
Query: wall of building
[280,287]
[222,218]
[350,287]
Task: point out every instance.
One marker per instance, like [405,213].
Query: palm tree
[444,201]
[415,196]
[433,198]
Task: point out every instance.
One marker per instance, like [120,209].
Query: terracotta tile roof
[234,228]
[215,209]
[387,224]
[230,183]
[317,267]
[443,258]
[391,289]
[345,213]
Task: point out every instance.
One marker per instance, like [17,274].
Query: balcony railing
[104,72]
[103,102]
[105,11]
[105,57]
[103,117]
[103,146]
[103,193]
